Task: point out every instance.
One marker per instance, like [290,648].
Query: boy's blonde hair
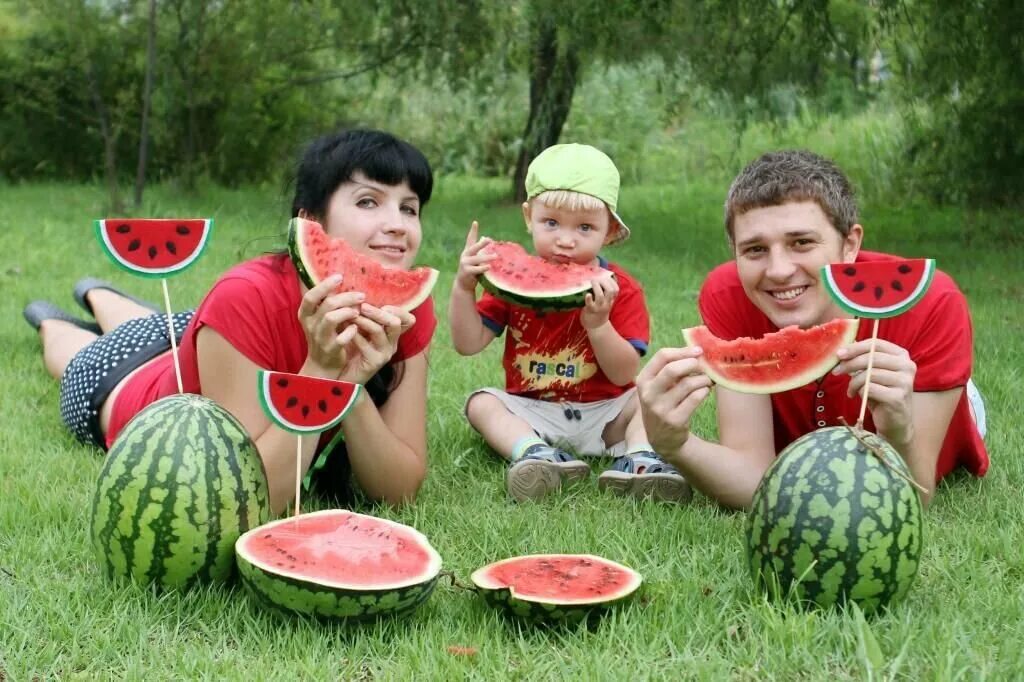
[568,200]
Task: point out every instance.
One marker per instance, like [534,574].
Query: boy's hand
[474,260]
[892,386]
[598,303]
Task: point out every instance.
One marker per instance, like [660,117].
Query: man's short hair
[781,177]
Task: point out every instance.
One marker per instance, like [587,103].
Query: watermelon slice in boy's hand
[317,256]
[878,289]
[154,247]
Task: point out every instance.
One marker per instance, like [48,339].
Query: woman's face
[381,221]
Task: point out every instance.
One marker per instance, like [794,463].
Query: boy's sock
[639,448]
[524,444]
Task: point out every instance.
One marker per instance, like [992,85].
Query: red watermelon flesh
[564,579]
[153,247]
[317,256]
[779,361]
[878,289]
[339,548]
[519,277]
[304,404]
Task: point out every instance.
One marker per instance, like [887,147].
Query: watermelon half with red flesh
[338,564]
[304,404]
[878,289]
[555,587]
[154,247]
[776,362]
[317,256]
[527,280]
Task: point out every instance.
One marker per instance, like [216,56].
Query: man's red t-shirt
[936,332]
[548,355]
[254,306]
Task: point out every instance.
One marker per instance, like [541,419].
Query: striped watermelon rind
[182,481]
[152,273]
[296,594]
[538,609]
[523,279]
[263,379]
[830,523]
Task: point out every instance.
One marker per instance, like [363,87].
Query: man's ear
[527,212]
[851,243]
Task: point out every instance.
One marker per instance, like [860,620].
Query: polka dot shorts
[96,369]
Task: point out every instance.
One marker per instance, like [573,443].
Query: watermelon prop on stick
[316,256]
[523,279]
[155,248]
[303,404]
[338,564]
[876,290]
[779,361]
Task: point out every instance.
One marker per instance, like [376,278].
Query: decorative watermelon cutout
[180,484]
[304,404]
[555,587]
[154,247]
[338,564]
[831,522]
[776,362]
[317,256]
[527,280]
[876,289]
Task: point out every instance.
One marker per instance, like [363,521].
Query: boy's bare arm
[469,334]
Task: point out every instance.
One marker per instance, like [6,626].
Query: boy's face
[565,236]
[780,251]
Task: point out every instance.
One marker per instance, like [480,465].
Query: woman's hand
[369,342]
[325,317]
[474,259]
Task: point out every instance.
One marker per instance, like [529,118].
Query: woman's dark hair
[333,159]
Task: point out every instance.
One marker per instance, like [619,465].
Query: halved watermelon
[527,280]
[154,247]
[877,289]
[776,362]
[303,404]
[555,587]
[338,564]
[317,256]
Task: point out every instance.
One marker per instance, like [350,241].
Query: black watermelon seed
[172,247]
[123,229]
[897,285]
[322,405]
[134,245]
[878,293]
[152,252]
[292,402]
[282,382]
[850,270]
[904,268]
[305,410]
[335,391]
[859,286]
[182,230]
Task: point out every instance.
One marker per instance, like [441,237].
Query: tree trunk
[109,140]
[553,75]
[147,97]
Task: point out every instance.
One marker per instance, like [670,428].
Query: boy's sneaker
[645,475]
[541,470]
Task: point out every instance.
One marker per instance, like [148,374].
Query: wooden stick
[170,330]
[867,375]
[298,472]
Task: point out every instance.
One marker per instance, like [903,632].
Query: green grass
[698,617]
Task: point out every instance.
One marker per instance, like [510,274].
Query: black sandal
[37,312]
[84,286]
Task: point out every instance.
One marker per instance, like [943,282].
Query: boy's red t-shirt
[254,306]
[548,355]
[936,332]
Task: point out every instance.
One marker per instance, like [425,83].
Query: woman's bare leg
[112,309]
[61,342]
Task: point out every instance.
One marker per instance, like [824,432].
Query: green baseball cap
[577,168]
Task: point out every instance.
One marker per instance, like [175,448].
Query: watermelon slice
[555,587]
[303,404]
[877,289]
[523,279]
[154,247]
[776,362]
[338,564]
[317,256]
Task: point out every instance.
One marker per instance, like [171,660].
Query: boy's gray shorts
[581,436]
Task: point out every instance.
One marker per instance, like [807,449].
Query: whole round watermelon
[831,523]
[181,482]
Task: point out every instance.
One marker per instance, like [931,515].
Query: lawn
[697,618]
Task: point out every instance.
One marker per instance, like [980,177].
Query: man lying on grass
[787,215]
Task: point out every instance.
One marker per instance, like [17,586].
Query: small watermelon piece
[527,280]
[303,404]
[832,523]
[776,362]
[317,256]
[877,289]
[338,564]
[154,247]
[555,587]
